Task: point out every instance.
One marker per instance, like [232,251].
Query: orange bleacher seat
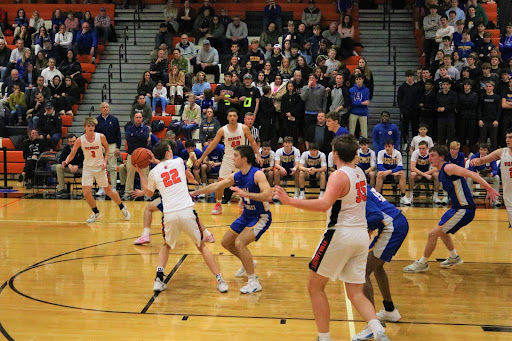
[90,68]
[353,60]
[167,119]
[161,134]
[490,8]
[12,156]
[7,143]
[170,109]
[84,58]
[74,107]
[100,50]
[351,68]
[493,17]
[494,33]
[213,86]
[88,78]
[495,41]
[67,120]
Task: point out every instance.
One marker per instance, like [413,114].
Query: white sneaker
[159,285]
[302,195]
[381,337]
[321,195]
[126,214]
[436,199]
[445,200]
[496,203]
[297,193]
[201,196]
[100,192]
[222,286]
[365,334]
[405,200]
[94,217]
[251,287]
[416,267]
[241,272]
[390,316]
[450,261]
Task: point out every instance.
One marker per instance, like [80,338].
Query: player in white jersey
[505,155]
[342,253]
[179,215]
[234,134]
[312,166]
[94,146]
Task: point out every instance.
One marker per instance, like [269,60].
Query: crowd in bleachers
[297,88]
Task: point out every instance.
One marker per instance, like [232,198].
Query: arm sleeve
[303,158]
[380,161]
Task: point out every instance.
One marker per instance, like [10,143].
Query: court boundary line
[2,329]
[167,279]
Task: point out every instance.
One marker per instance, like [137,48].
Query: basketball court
[63,279]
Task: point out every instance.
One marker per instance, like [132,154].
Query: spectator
[18,106]
[74,167]
[389,164]
[206,6]
[457,34]
[20,21]
[159,67]
[332,121]
[86,42]
[506,43]
[312,166]
[422,136]
[17,53]
[431,23]
[8,86]
[23,61]
[249,97]
[216,34]
[50,126]
[333,36]
[286,164]
[367,160]
[360,100]
[87,18]
[33,147]
[478,34]
[340,97]
[420,167]
[208,60]
[272,14]
[176,84]
[48,51]
[40,88]
[446,103]
[190,155]
[486,77]
[455,7]
[57,20]
[41,61]
[39,38]
[489,115]
[226,95]
[186,17]
[209,126]
[211,165]
[171,17]
[57,88]
[224,17]
[484,48]
[465,46]
[319,133]
[311,16]
[487,171]
[63,41]
[102,25]
[292,110]
[202,24]
[367,73]
[72,23]
[71,95]
[200,85]
[30,78]
[5,54]
[146,86]
[237,32]
[346,31]
[3,20]
[383,131]
[163,37]
[479,10]
[159,97]
[313,95]
[268,156]
[467,114]
[191,117]
[71,67]
[143,108]
[137,136]
[268,117]
[51,71]
[407,97]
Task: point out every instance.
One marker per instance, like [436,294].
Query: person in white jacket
[63,41]
[159,96]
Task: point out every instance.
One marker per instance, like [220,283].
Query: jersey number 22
[170,178]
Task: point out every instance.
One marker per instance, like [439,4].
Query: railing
[135,28]
[394,75]
[91,110]
[120,61]
[389,30]
[110,74]
[125,44]
[103,95]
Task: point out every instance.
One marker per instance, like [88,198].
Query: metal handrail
[110,74]
[134,28]
[394,75]
[389,35]
[385,9]
[103,95]
[125,44]
[91,110]
[120,61]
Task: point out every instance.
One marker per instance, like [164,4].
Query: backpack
[157,125]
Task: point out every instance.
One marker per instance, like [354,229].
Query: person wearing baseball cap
[102,25]
[208,60]
[249,98]
[277,57]
[50,125]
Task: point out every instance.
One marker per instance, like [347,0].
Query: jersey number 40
[170,178]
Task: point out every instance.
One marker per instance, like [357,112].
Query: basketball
[141,157]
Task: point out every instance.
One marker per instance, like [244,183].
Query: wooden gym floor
[62,279]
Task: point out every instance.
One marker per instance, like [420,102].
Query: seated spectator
[87,18]
[29,78]
[48,51]
[24,35]
[3,20]
[18,106]
[71,67]
[202,24]
[200,85]
[420,167]
[206,102]
[142,107]
[86,42]
[211,165]
[41,62]
[159,67]
[346,31]
[422,136]
[367,160]
[339,96]
[40,88]
[51,71]
[8,86]
[171,17]
[176,84]
[191,117]
[50,126]
[237,32]
[57,89]
[269,35]
[209,126]
[5,54]
[32,148]
[71,96]
[506,43]
[20,21]
[217,34]
[159,97]
[39,38]
[21,63]
[286,164]
[186,17]
[35,111]
[272,15]
[311,16]
[16,54]
[72,23]
[333,36]
[488,171]
[268,157]
[162,37]
[102,25]
[360,100]
[188,49]
[190,155]
[57,20]
[74,167]
[312,166]
[456,156]
[208,60]
[146,86]
[489,114]
[63,42]
[390,168]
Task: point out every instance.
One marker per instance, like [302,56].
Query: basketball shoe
[217,209]
[381,337]
[251,287]
[241,272]
[365,334]
[416,267]
[391,316]
[94,217]
[159,285]
[222,286]
[450,261]
[142,240]
[126,214]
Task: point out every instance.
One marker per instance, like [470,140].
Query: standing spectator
[383,131]
[446,103]
[237,32]
[427,106]
[33,147]
[360,100]
[506,110]
[272,14]
[367,73]
[208,60]
[340,97]
[407,97]
[431,23]
[143,108]
[465,46]
[186,17]
[159,67]
[506,43]
[171,17]
[102,25]
[480,11]
[249,97]
[74,167]
[137,136]
[226,95]
[319,133]
[451,70]
[50,126]
[313,95]
[292,108]
[455,7]
[489,114]
[5,54]
[311,16]
[268,118]
[467,114]
[108,125]
[86,42]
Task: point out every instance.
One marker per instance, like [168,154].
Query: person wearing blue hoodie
[383,131]
[360,97]
[506,43]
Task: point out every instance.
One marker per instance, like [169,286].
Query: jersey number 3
[170,178]
[361,191]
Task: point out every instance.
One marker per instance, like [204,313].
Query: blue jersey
[422,162]
[287,159]
[216,156]
[341,131]
[365,159]
[459,160]
[309,161]
[457,189]
[379,211]
[246,183]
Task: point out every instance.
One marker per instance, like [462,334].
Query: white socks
[146,232]
[423,260]
[375,327]
[453,253]
[324,336]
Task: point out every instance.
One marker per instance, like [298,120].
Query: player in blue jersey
[420,167]
[286,163]
[367,160]
[390,168]
[267,156]
[251,184]
[459,215]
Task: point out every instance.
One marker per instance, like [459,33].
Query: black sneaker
[61,194]
[29,185]
[20,178]
[224,201]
